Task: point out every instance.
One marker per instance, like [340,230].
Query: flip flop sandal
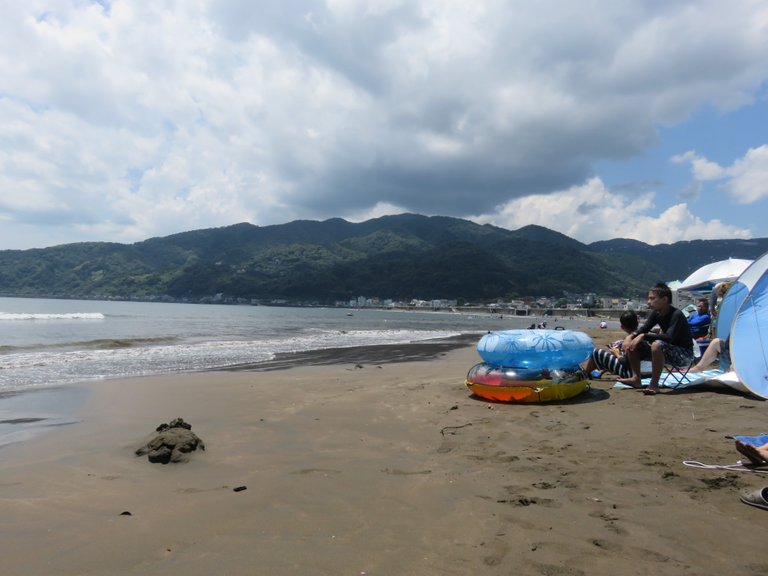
[757,498]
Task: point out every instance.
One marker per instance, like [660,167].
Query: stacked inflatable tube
[530,365]
[504,384]
[535,348]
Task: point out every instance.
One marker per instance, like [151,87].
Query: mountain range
[399,257]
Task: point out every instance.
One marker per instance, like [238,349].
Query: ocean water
[46,343]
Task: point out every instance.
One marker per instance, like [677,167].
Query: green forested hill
[400,257]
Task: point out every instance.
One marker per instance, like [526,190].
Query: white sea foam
[68,316]
[26,370]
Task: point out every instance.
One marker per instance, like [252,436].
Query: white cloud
[379,210]
[701,168]
[135,119]
[749,176]
[590,212]
[746,180]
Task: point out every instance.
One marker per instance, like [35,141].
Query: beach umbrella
[749,329]
[707,276]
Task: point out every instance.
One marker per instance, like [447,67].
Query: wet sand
[375,467]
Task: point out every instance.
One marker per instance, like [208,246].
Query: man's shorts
[673,355]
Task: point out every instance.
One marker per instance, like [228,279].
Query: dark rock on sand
[175,423]
[173,443]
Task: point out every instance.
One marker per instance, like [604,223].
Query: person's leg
[657,365]
[590,363]
[708,357]
[633,357]
[607,360]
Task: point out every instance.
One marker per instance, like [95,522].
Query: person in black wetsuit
[673,343]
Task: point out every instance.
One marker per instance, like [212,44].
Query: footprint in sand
[200,490]
[529,501]
[496,554]
[445,446]
[396,472]
[497,458]
[550,570]
[727,481]
[557,426]
[610,522]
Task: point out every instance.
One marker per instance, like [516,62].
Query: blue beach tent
[737,294]
[749,327]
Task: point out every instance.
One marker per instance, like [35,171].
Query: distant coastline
[488,309]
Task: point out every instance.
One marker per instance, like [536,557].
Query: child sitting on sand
[612,359]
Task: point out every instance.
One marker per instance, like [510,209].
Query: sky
[125,120]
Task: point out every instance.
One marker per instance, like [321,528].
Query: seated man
[673,344]
[699,322]
[612,359]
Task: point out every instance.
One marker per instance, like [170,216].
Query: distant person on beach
[673,344]
[717,295]
[612,359]
[699,322]
[715,301]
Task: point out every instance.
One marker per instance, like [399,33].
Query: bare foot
[634,382]
[651,391]
[750,452]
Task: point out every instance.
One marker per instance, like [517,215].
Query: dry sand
[382,468]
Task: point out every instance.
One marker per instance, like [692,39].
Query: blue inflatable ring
[538,349]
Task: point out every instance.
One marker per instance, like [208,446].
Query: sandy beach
[364,465]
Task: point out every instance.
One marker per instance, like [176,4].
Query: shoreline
[28,413]
[390,468]
[368,354]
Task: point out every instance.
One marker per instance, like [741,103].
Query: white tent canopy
[722,271]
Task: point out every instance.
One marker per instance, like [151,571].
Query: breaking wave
[68,316]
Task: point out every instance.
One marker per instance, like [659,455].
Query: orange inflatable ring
[504,384]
